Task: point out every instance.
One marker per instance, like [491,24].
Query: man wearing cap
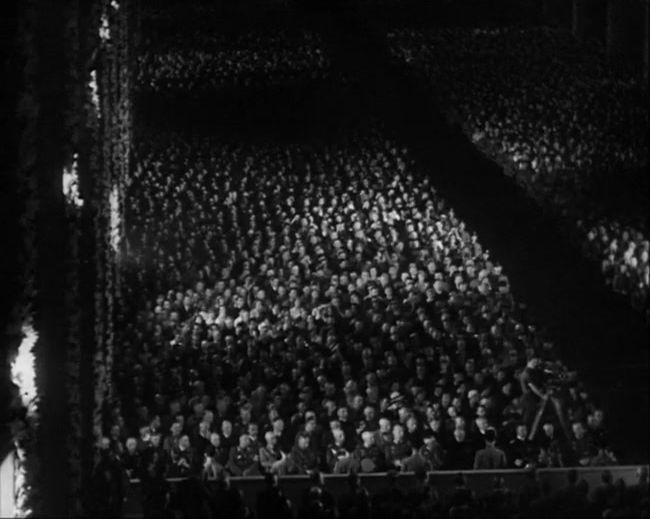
[532,388]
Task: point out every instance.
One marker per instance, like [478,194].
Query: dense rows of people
[552,114]
[317,307]
[623,253]
[208,62]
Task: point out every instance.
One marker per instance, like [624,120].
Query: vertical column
[578,18]
[558,13]
[51,264]
[89,169]
[588,20]
[13,261]
[627,21]
[613,33]
[644,40]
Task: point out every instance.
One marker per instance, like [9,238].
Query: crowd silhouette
[207,62]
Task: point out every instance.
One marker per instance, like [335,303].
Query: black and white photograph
[324,259]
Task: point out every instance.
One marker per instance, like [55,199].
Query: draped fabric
[73,126]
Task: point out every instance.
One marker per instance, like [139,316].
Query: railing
[479,481]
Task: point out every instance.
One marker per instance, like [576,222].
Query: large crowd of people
[315,306]
[207,62]
[557,119]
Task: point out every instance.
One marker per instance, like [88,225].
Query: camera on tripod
[557,379]
[557,376]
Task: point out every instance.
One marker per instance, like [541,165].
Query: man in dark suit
[490,457]
[459,452]
[521,451]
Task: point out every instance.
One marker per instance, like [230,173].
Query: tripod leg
[538,419]
[559,410]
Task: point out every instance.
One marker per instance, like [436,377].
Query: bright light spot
[116,219]
[105,28]
[115,5]
[22,369]
[71,183]
[94,92]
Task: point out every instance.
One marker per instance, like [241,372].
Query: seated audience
[570,129]
[324,292]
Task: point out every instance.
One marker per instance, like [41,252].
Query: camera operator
[539,385]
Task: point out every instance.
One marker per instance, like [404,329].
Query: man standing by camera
[536,394]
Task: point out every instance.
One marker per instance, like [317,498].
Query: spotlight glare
[23,373]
